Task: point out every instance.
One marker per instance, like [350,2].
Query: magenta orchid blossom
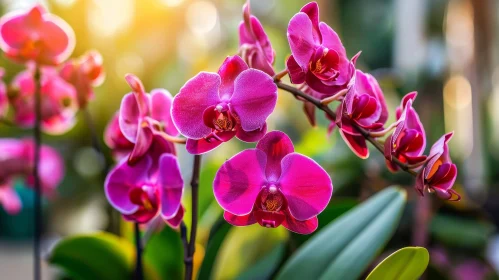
[36,35]
[59,105]
[408,141]
[318,56]
[144,119]
[440,173]
[364,105]
[140,196]
[212,108]
[116,141]
[16,160]
[84,74]
[254,44]
[272,185]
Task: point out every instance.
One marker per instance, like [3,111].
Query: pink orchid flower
[440,173]
[59,105]
[318,56]
[254,44]
[84,74]
[4,101]
[408,141]
[364,105]
[212,108]
[143,118]
[140,197]
[272,185]
[114,139]
[36,35]
[16,160]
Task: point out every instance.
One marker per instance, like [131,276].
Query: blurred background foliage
[445,49]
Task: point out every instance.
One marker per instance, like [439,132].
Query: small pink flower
[16,160]
[84,74]
[272,185]
[140,197]
[408,141]
[254,44]
[36,36]
[143,117]
[4,101]
[318,56]
[114,139]
[364,105]
[212,108]
[59,105]
[440,173]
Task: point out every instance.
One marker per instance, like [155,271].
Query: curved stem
[192,240]
[301,95]
[139,272]
[173,139]
[37,185]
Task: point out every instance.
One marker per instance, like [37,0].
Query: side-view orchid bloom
[212,108]
[318,57]
[140,197]
[440,173]
[408,141]
[364,105]
[59,105]
[145,118]
[36,35]
[254,44]
[114,139]
[17,160]
[272,185]
[84,74]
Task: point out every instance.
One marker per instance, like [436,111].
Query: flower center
[324,64]
[145,197]
[271,199]
[223,119]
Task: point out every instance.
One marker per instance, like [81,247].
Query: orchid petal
[306,186]
[189,104]
[254,98]
[239,180]
[171,185]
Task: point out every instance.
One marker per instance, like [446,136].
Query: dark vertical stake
[139,274]
[38,188]
[192,240]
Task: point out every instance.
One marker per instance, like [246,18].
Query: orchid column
[41,39]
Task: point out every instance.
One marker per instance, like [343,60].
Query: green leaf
[244,247]
[345,248]
[164,254]
[266,266]
[335,209]
[461,232]
[407,263]
[100,256]
[217,236]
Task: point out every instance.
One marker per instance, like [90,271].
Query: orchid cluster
[43,43]
[270,185]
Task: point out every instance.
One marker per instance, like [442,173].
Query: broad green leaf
[461,232]
[243,247]
[335,209]
[217,236]
[406,264]
[164,254]
[266,266]
[100,256]
[345,248]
